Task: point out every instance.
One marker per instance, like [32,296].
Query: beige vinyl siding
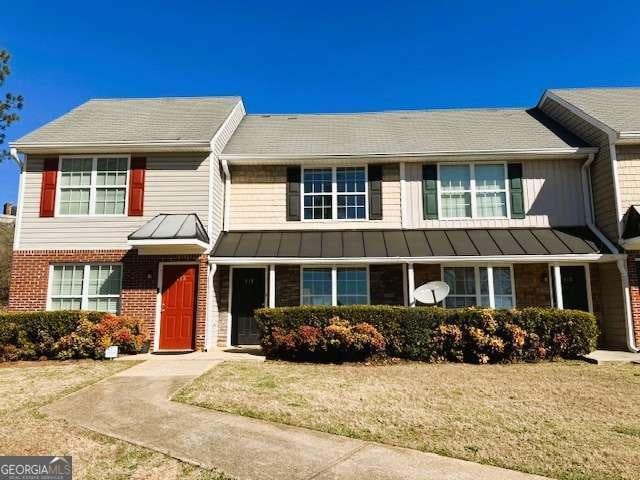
[612,317]
[173,184]
[628,175]
[259,194]
[552,194]
[602,183]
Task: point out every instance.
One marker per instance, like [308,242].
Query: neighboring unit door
[178,311]
[248,294]
[573,280]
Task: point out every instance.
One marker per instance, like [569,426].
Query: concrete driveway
[134,406]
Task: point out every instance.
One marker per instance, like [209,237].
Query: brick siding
[634,291]
[287,285]
[385,284]
[532,284]
[30,272]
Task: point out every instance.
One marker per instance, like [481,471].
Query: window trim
[334,193]
[84,301]
[476,273]
[92,186]
[473,191]
[334,280]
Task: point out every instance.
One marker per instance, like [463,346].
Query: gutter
[580,151]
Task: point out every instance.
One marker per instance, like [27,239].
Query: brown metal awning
[401,244]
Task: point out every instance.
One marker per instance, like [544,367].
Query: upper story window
[93,185]
[334,193]
[473,191]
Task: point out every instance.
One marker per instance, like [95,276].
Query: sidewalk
[134,406]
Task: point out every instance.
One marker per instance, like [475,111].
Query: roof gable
[617,108]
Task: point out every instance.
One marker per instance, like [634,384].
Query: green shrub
[437,334]
[66,334]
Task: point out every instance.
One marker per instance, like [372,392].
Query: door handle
[162,308]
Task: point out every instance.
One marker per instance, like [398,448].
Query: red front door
[178,311]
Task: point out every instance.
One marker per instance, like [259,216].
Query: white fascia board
[168,241]
[407,156]
[577,111]
[570,258]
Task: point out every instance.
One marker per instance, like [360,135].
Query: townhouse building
[190,213]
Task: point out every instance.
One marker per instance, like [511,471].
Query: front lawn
[25,386]
[568,420]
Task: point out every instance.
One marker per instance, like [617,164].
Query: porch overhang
[170,234]
[513,245]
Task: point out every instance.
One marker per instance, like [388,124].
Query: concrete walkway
[134,406]
[602,357]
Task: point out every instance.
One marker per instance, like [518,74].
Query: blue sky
[329,56]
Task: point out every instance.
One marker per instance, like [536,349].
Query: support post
[557,280]
[411,284]
[272,286]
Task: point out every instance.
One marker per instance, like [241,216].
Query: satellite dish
[431,293]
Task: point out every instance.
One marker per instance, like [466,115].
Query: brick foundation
[30,272]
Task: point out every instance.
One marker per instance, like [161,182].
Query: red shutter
[136,186]
[48,190]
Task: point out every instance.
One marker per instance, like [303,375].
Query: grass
[568,420]
[25,386]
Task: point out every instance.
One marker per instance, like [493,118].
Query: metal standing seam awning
[171,230]
[389,246]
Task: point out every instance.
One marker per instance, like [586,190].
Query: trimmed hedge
[437,334]
[66,334]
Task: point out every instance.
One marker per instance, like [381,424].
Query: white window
[473,191]
[334,286]
[490,286]
[334,193]
[86,287]
[93,185]
[316,286]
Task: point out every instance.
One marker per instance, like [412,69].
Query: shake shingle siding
[628,175]
[602,183]
[258,200]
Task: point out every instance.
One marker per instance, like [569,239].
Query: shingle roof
[408,243]
[618,108]
[136,120]
[171,227]
[471,130]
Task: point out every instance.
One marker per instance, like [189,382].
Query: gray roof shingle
[618,108]
[409,243]
[194,119]
[398,132]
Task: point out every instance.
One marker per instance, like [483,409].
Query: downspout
[209,333]
[14,156]
[227,191]
[622,260]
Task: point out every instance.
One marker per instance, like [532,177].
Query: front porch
[585,278]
